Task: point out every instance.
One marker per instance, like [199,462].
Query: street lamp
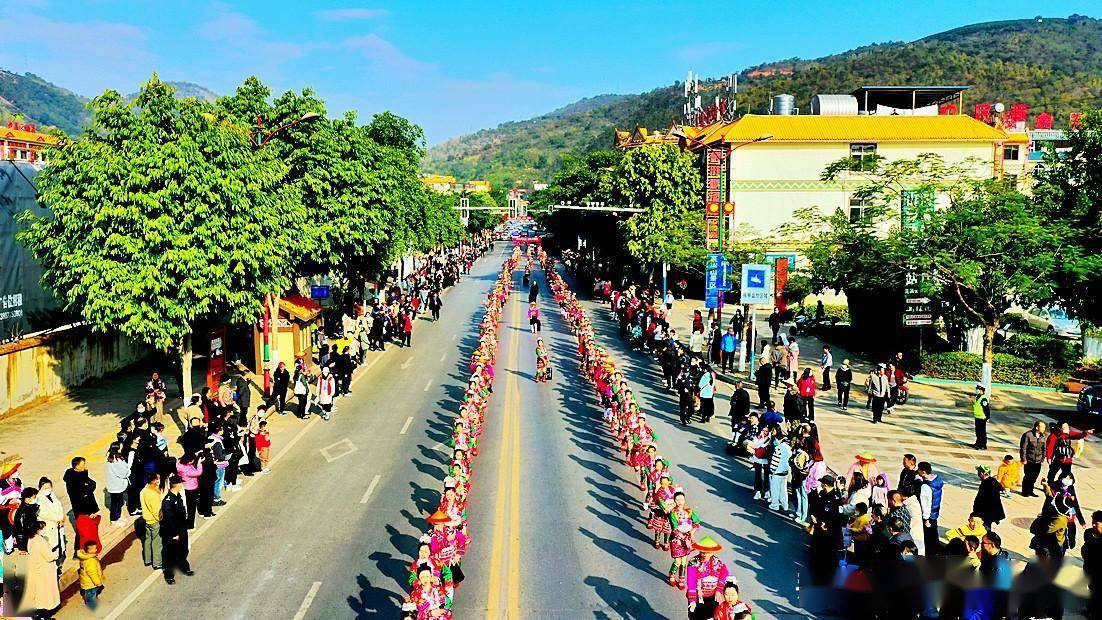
[260,139]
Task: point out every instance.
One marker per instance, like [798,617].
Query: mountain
[49,105]
[185,90]
[41,102]
[1053,65]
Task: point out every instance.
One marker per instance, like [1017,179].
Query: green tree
[163,215]
[989,249]
[666,183]
[1069,190]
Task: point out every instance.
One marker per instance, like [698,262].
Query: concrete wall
[36,369]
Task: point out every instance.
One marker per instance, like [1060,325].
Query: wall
[771,181]
[33,370]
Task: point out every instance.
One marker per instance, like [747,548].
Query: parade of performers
[710,590]
[436,573]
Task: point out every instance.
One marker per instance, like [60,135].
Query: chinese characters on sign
[11,306]
[755,285]
[714,195]
[917,309]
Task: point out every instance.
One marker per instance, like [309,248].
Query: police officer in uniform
[981,412]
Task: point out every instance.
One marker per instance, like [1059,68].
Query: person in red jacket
[1060,452]
[407,329]
[732,607]
[808,385]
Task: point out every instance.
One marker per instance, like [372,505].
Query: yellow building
[448,184]
[23,142]
[775,162]
[438,182]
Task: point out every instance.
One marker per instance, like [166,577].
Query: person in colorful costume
[429,596]
[706,574]
[543,362]
[662,503]
[732,607]
[684,522]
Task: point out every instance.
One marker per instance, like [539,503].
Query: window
[862,152]
[858,205]
[1010,152]
[1011,180]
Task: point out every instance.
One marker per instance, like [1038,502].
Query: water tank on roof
[834,105]
[783,105]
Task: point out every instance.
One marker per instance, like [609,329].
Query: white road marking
[438,446]
[427,386]
[306,602]
[346,447]
[370,489]
[454,336]
[406,363]
[405,427]
[202,529]
[443,357]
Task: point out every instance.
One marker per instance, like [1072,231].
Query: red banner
[780,281]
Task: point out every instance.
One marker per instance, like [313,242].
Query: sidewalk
[936,426]
[85,423]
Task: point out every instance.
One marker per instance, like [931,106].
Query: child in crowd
[263,446]
[90,573]
[1009,474]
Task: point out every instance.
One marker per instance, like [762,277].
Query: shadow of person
[621,601]
[373,602]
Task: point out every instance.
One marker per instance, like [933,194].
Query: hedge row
[963,366]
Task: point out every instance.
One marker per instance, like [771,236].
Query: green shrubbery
[963,366]
[1044,350]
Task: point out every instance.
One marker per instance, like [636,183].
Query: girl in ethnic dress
[662,502]
[543,362]
[684,522]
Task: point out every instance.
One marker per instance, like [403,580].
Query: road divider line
[454,337]
[370,489]
[406,363]
[443,357]
[405,427]
[493,598]
[306,601]
[513,597]
[427,385]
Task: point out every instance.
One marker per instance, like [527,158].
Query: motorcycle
[904,389]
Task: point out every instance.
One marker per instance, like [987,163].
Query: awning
[299,308]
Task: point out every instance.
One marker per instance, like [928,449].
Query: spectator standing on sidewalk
[706,389]
[808,386]
[825,365]
[929,496]
[778,357]
[90,574]
[779,468]
[878,392]
[281,379]
[82,497]
[908,476]
[302,390]
[263,441]
[52,513]
[729,345]
[174,535]
[118,481]
[1061,452]
[1092,563]
[981,412]
[740,404]
[774,321]
[988,503]
[151,517]
[188,469]
[843,379]
[327,391]
[762,378]
[156,392]
[792,360]
[1032,456]
[41,592]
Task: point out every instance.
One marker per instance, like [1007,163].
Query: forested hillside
[1052,65]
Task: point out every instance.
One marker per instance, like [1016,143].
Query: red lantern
[713,208]
[728,208]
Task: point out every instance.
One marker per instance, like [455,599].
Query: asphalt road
[302,542]
[556,521]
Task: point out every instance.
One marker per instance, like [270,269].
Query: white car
[1048,320]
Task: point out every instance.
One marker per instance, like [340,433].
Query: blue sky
[457,66]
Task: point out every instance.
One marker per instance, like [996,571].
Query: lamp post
[261,137]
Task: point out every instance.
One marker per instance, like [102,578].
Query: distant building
[643,136]
[770,72]
[537,186]
[448,185]
[23,142]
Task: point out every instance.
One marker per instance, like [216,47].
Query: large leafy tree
[162,215]
[666,183]
[989,249]
[1069,190]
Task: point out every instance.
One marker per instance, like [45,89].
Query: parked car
[1090,400]
[1045,320]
